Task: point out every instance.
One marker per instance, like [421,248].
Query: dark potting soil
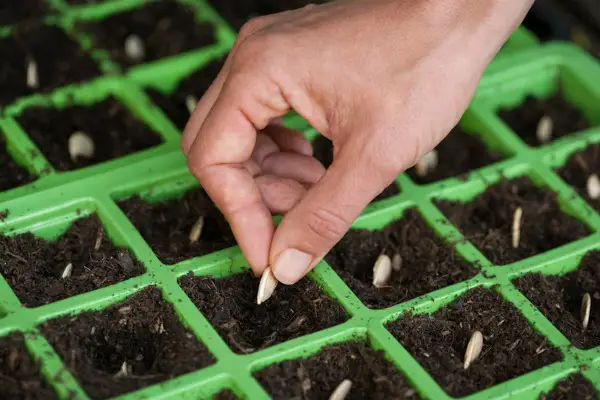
[323,151]
[524,119]
[458,154]
[12,12]
[166,226]
[20,376]
[225,395]
[559,299]
[487,221]
[165,27]
[316,377]
[13,174]
[230,306]
[428,263]
[578,169]
[511,347]
[174,105]
[114,130]
[143,331]
[33,267]
[573,387]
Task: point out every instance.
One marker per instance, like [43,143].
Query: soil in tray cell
[20,376]
[225,395]
[317,377]
[511,347]
[34,267]
[427,262]
[114,131]
[458,154]
[166,226]
[13,174]
[559,298]
[128,346]
[193,87]
[488,220]
[230,306]
[51,58]
[156,30]
[525,118]
[12,12]
[323,151]
[579,168]
[573,387]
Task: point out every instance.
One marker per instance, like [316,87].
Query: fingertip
[292,265]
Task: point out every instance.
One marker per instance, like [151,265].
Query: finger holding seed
[342,391]
[473,349]
[266,287]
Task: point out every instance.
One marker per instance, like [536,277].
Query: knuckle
[326,225]
[251,26]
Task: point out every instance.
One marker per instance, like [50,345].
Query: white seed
[473,348]
[266,287]
[32,75]
[67,271]
[544,129]
[428,163]
[81,145]
[125,370]
[99,238]
[516,227]
[342,391]
[196,230]
[159,327]
[191,102]
[586,307]
[382,271]
[134,48]
[593,187]
[397,262]
[93,330]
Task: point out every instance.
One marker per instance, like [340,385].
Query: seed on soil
[125,370]
[342,391]
[266,287]
[473,349]
[544,129]
[196,230]
[516,227]
[191,102]
[586,306]
[134,48]
[99,238]
[593,187]
[32,75]
[81,145]
[67,271]
[428,163]
[397,262]
[382,271]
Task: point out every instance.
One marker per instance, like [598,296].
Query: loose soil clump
[13,175]
[230,306]
[578,169]
[487,221]
[428,263]
[20,376]
[316,377]
[165,28]
[166,225]
[33,267]
[511,347]
[559,299]
[573,387]
[13,12]
[323,151]
[128,346]
[113,129]
[524,119]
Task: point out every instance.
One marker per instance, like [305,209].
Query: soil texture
[20,376]
[427,262]
[323,151]
[166,28]
[316,377]
[166,226]
[574,387]
[13,12]
[33,267]
[525,118]
[128,346]
[578,169]
[559,299]
[113,129]
[487,221]
[13,175]
[225,395]
[230,306]
[511,347]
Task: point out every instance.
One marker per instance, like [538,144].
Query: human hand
[385,80]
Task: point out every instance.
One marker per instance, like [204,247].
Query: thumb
[327,211]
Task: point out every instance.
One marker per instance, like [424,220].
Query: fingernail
[291,266]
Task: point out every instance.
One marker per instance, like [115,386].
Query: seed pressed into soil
[487,221]
[573,387]
[524,119]
[578,169]
[13,12]
[33,267]
[511,347]
[323,151]
[230,306]
[316,377]
[174,105]
[428,263]
[166,28]
[20,376]
[559,299]
[13,174]
[143,331]
[113,129]
[166,225]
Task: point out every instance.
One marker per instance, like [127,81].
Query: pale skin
[385,80]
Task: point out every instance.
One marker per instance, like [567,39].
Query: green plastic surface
[47,206]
